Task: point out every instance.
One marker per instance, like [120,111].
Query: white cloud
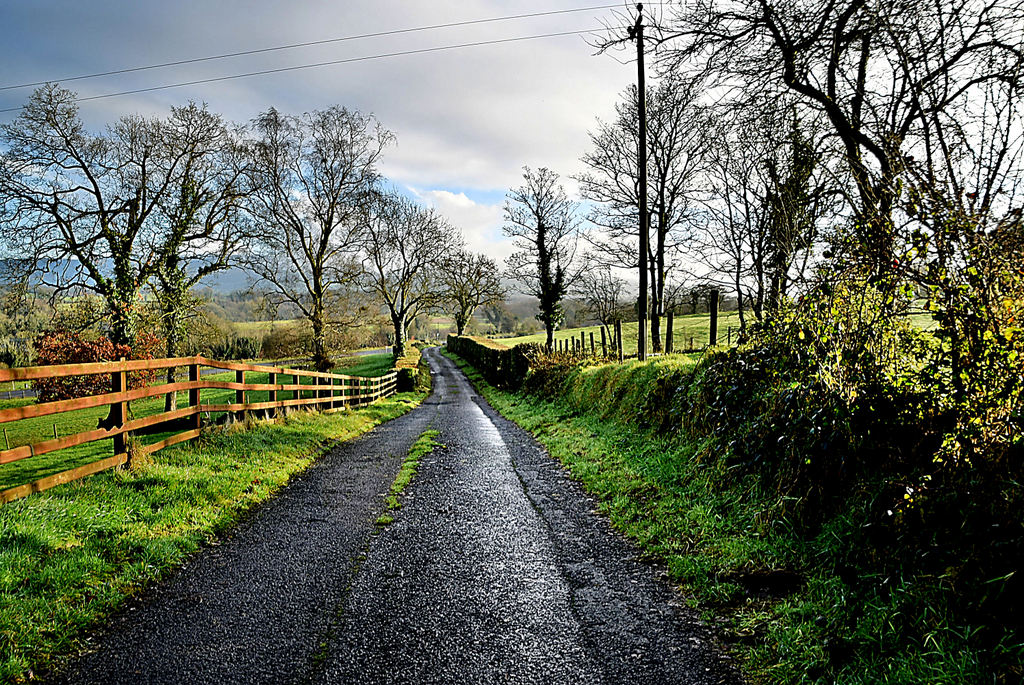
[480,223]
[466,120]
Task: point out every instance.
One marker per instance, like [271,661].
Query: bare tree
[500,318]
[542,222]
[602,293]
[470,281]
[767,195]
[879,73]
[312,176]
[678,139]
[404,247]
[733,243]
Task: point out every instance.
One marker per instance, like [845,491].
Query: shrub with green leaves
[506,367]
[14,353]
[286,341]
[844,416]
[237,347]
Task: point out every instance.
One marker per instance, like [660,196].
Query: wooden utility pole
[637,32]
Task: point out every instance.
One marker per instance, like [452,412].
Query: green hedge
[504,367]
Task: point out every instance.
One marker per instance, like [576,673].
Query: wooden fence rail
[327,392]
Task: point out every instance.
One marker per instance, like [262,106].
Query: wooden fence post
[669,326]
[119,410]
[618,339]
[583,343]
[713,310]
[593,348]
[604,343]
[691,344]
[193,394]
[728,336]
[240,394]
[272,395]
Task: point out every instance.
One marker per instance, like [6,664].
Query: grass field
[71,555]
[37,429]
[257,329]
[695,326]
[691,331]
[366,365]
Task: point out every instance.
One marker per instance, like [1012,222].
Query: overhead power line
[297,67]
[311,43]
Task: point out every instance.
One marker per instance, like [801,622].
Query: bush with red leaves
[65,347]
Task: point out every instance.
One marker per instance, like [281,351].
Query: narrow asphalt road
[495,570]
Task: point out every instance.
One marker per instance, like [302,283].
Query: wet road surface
[495,570]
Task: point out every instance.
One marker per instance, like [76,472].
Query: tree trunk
[658,279]
[739,308]
[774,294]
[669,332]
[170,400]
[713,312]
[399,324]
[321,358]
[655,329]
[121,333]
[551,337]
[120,323]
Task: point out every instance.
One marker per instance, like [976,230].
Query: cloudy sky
[466,120]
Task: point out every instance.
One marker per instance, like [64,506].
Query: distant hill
[227,281]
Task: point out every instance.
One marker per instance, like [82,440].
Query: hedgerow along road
[495,570]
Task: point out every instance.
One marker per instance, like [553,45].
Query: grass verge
[70,556]
[772,594]
[423,446]
[366,365]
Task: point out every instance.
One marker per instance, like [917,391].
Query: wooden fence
[326,392]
